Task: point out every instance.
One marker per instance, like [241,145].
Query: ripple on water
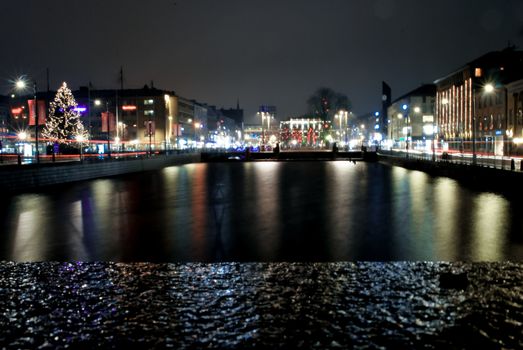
[275,305]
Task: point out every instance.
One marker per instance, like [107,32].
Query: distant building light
[428,129]
[16,110]
[377,114]
[129,108]
[478,72]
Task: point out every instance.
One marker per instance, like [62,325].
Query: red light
[129,108]
[16,110]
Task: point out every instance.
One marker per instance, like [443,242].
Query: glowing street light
[21,84]
[488,88]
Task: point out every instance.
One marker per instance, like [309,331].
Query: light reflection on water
[263,211]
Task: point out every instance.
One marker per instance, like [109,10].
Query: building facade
[472,103]
[411,118]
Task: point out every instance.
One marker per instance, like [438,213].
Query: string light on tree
[64,122]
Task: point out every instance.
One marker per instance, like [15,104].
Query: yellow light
[400,116]
[445,101]
[518,140]
[80,138]
[22,135]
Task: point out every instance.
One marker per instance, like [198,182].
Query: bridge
[309,155]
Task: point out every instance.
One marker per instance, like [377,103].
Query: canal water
[263,211]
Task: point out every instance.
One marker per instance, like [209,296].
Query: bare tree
[325,103]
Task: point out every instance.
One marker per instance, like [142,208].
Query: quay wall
[29,177]
[481,178]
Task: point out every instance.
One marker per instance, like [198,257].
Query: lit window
[148,102]
[148,112]
[478,72]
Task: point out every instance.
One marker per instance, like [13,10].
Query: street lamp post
[80,139]
[37,153]
[407,116]
[97,102]
[20,85]
[434,138]
[474,160]
[346,128]
[108,130]
[262,114]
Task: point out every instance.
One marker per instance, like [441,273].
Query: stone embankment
[506,182]
[29,177]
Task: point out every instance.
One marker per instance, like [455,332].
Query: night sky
[273,52]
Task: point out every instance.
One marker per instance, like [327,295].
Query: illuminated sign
[80,109]
[129,108]
[16,110]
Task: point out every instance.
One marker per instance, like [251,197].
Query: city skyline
[258,52]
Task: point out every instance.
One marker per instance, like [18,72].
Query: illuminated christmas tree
[63,123]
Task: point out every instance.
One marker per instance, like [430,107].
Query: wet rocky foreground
[261,305]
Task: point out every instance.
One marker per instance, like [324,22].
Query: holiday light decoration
[64,122]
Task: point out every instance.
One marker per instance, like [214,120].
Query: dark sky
[261,51]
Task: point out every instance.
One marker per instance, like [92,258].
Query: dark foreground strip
[261,305]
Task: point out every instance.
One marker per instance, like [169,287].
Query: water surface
[263,211]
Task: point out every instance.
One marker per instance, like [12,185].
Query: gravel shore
[261,305]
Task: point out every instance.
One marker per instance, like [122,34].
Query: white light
[445,101]
[20,84]
[428,129]
[400,116]
[80,138]
[489,88]
[97,102]
[22,135]
[417,109]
